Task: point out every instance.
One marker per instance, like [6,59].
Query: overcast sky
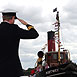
[40,14]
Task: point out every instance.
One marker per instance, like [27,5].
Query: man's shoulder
[7,23]
[15,25]
[9,26]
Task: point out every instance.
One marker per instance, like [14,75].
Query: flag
[54,10]
[56,33]
[55,23]
[56,29]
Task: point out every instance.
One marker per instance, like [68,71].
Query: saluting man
[10,35]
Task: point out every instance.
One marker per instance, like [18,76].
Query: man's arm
[31,33]
[22,21]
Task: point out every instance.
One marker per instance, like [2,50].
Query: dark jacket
[10,35]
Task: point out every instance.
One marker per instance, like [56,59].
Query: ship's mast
[57,18]
[58,23]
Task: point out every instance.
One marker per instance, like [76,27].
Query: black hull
[68,69]
[63,74]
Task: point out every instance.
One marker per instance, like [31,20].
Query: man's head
[9,15]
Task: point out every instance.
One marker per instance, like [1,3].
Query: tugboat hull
[68,69]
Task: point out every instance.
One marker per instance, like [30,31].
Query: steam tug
[58,62]
[53,57]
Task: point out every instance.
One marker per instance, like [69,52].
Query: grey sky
[40,14]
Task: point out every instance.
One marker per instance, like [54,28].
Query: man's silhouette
[10,35]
